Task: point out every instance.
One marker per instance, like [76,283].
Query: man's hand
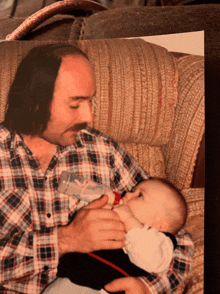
[130,285]
[93,228]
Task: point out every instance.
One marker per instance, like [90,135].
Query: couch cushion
[188,127]
[149,157]
[136,90]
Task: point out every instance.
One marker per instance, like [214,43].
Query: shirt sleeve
[179,268]
[24,252]
[149,249]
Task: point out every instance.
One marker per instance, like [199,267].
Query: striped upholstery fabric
[136,90]
[136,96]
[188,127]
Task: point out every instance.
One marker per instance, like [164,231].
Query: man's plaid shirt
[31,208]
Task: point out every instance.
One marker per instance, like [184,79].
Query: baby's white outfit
[149,249]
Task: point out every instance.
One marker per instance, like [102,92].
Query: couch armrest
[181,151]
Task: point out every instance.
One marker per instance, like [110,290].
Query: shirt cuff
[45,244]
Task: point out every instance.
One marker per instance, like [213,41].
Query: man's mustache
[78,127]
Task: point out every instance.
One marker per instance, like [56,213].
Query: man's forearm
[61,241]
[65,239]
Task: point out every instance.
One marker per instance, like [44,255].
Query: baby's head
[159,204]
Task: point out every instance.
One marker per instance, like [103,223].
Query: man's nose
[86,114]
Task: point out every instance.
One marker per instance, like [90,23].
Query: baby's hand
[108,206]
[123,211]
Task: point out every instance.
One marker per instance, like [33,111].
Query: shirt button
[48,215]
[46,268]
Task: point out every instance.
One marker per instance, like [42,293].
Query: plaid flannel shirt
[31,208]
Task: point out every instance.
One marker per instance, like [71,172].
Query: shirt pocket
[15,212]
[48,209]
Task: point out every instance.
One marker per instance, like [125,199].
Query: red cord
[109,263]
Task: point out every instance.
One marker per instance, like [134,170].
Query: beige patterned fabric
[146,96]
[136,90]
[188,127]
[149,157]
[136,96]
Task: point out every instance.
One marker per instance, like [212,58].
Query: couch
[148,99]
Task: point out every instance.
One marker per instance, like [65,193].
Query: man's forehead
[75,63]
[75,57]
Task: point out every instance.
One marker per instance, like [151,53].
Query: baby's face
[144,201]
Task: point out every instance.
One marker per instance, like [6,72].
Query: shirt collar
[16,142]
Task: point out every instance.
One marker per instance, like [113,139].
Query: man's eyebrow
[75,98]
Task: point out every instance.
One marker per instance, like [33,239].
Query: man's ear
[161,225]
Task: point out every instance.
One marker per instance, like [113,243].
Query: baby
[153,212]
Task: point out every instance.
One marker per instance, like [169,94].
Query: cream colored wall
[192,42]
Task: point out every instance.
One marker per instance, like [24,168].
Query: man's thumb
[98,203]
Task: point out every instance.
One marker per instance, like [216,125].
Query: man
[44,133]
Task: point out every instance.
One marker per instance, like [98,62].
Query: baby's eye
[140,195]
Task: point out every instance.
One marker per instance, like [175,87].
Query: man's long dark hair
[31,93]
